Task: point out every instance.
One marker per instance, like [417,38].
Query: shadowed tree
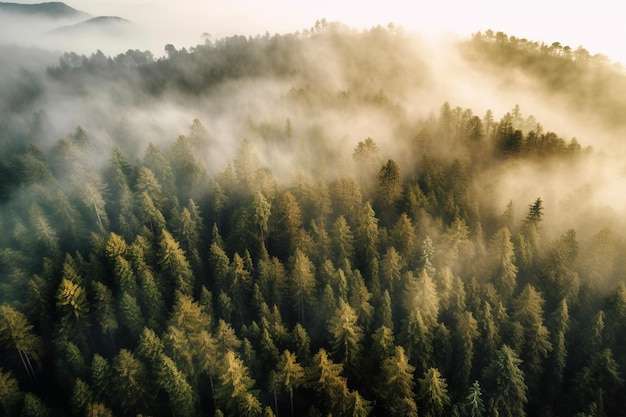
[397,385]
[507,384]
[302,282]
[174,264]
[290,373]
[528,311]
[10,395]
[234,392]
[130,382]
[173,382]
[466,333]
[347,337]
[366,156]
[367,239]
[343,241]
[324,377]
[389,187]
[433,394]
[16,333]
[474,405]
[404,240]
[503,257]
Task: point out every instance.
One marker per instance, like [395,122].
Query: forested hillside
[308,225]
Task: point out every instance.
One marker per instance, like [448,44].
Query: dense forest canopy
[331,222]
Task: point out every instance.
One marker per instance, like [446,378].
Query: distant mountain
[53,10]
[106,25]
[57,26]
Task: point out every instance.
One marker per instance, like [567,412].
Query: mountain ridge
[55,10]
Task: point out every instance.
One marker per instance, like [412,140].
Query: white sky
[597,25]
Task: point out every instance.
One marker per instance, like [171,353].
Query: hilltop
[54,10]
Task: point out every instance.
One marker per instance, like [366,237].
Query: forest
[313,224]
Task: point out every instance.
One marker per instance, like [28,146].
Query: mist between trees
[331,222]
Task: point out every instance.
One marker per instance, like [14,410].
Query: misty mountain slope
[102,25]
[587,84]
[52,10]
[333,222]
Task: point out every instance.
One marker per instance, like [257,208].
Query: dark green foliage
[353,286]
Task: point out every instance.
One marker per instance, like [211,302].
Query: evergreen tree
[433,393]
[528,311]
[324,377]
[389,185]
[343,240]
[291,373]
[234,392]
[507,384]
[302,282]
[474,404]
[503,257]
[174,264]
[404,240]
[10,395]
[398,384]
[130,383]
[347,337]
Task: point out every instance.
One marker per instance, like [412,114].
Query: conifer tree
[347,337]
[130,382]
[291,373]
[504,270]
[389,185]
[17,333]
[174,264]
[433,393]
[398,384]
[367,237]
[343,241]
[507,384]
[174,383]
[302,282]
[474,404]
[10,394]
[528,311]
[234,392]
[325,378]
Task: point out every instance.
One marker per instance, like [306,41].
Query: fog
[167,176]
[339,88]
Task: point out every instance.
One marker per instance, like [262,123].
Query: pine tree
[343,241]
[291,373]
[507,384]
[367,238]
[174,264]
[474,404]
[324,377]
[404,239]
[10,395]
[389,185]
[398,384]
[234,391]
[528,311]
[174,382]
[302,282]
[101,374]
[421,295]
[17,333]
[347,337]
[433,393]
[130,382]
[466,334]
[503,258]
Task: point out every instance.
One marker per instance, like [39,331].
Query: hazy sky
[598,25]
